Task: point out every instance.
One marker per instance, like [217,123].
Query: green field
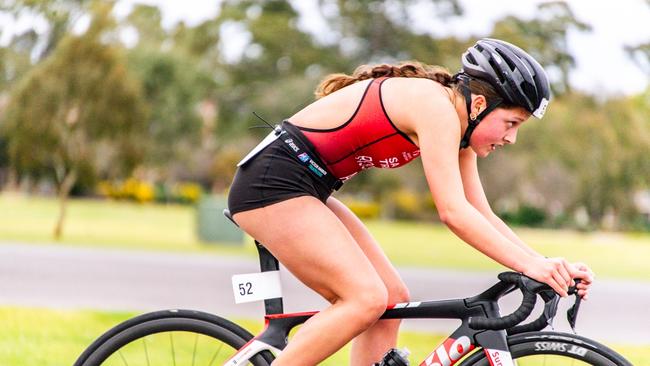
[172,228]
[56,338]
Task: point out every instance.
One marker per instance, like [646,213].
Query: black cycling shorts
[276,174]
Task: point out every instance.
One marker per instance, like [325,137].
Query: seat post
[269,263]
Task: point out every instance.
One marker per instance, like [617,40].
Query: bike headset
[516,76]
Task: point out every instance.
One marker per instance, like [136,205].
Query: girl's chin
[482,151]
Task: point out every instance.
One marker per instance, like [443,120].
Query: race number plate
[256,286]
[266,142]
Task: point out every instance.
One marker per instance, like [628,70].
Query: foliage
[525,215]
[364,209]
[60,16]
[172,88]
[143,192]
[545,37]
[174,83]
[80,108]
[585,154]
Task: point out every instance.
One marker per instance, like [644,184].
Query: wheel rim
[549,360]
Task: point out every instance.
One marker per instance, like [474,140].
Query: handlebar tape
[508,321]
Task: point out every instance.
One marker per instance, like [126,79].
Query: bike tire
[170,337]
[561,348]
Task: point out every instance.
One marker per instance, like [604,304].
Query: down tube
[464,340]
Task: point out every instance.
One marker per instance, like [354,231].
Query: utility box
[212,225]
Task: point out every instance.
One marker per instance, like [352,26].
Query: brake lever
[550,308]
[572,313]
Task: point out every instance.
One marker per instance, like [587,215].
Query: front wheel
[170,337]
[553,348]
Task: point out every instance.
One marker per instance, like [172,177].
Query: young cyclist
[385,116]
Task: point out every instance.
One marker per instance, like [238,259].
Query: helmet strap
[472,123]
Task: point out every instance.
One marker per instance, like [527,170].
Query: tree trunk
[64,191]
[11,185]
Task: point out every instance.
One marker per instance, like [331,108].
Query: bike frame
[274,337]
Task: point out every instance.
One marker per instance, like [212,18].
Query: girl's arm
[476,196]
[437,127]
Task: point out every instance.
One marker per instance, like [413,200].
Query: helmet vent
[471,59]
[511,65]
[497,70]
[529,90]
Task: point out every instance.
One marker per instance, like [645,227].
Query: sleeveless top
[368,139]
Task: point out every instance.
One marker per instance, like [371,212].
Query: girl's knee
[399,294]
[371,303]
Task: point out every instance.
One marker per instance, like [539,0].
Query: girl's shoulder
[405,98]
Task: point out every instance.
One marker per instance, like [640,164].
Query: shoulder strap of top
[372,95]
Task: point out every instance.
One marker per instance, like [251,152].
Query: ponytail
[408,69]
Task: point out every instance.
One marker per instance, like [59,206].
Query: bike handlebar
[530,289]
[524,310]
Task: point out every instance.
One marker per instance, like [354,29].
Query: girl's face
[497,129]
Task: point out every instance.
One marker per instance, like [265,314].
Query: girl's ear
[479,103]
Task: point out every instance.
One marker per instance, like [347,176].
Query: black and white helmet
[515,75]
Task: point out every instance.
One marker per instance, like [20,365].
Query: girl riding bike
[385,116]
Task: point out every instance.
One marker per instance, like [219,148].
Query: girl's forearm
[506,231]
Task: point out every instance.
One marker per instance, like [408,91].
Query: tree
[77,113]
[172,88]
[177,78]
[585,154]
[545,38]
[377,31]
[641,55]
[60,16]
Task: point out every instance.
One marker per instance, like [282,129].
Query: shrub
[140,191]
[188,192]
[526,215]
[363,209]
[406,204]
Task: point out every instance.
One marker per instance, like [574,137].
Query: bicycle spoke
[146,351]
[216,353]
[196,339]
[123,359]
[171,339]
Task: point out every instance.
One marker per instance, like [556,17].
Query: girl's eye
[510,124]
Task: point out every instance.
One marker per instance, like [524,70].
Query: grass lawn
[56,338]
[172,228]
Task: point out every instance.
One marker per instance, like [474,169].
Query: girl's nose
[511,137]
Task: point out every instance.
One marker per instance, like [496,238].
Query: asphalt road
[78,278]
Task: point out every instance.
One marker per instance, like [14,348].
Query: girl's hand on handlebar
[555,272]
[586,275]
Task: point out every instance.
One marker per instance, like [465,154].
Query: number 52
[245,288]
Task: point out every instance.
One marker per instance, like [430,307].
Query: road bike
[485,337]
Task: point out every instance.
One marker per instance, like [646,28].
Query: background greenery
[172,227]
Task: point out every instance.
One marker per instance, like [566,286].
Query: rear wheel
[175,337]
[552,348]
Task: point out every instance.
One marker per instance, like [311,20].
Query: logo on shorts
[304,157]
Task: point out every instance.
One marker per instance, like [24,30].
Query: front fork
[464,340]
[248,351]
[495,346]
